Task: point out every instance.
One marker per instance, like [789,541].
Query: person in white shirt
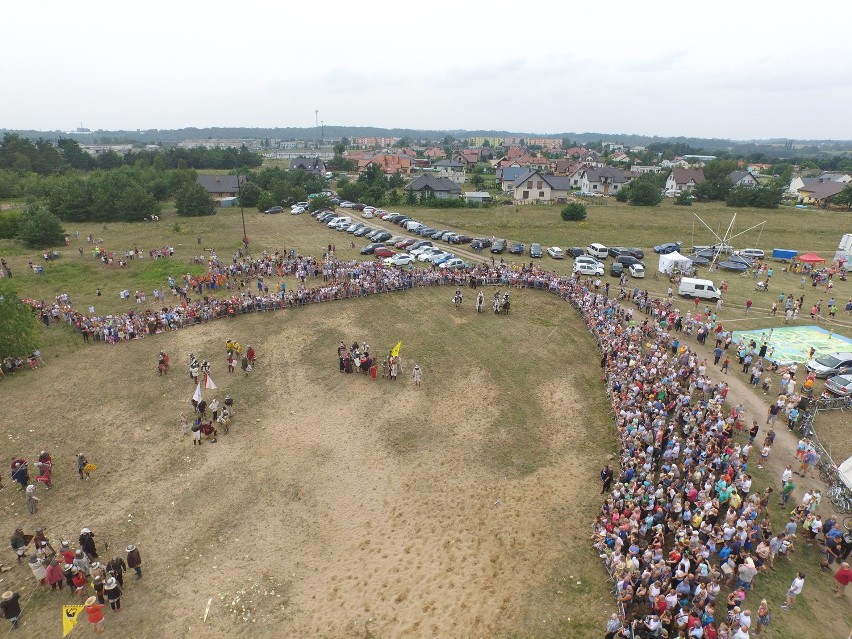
[794,590]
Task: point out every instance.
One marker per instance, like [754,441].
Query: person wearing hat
[95,613]
[37,568]
[32,500]
[67,572]
[113,593]
[54,574]
[98,585]
[78,580]
[163,363]
[81,561]
[87,543]
[116,568]
[417,375]
[82,462]
[134,560]
[11,607]
[97,570]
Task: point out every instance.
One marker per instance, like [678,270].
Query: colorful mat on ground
[793,343]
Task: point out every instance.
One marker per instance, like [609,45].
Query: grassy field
[339,507]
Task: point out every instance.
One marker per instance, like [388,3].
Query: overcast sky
[670,68]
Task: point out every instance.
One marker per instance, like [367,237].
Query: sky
[724,69]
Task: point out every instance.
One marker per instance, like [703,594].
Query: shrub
[9,223]
[574,212]
[39,228]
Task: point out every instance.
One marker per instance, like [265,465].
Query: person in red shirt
[95,612]
[78,578]
[843,576]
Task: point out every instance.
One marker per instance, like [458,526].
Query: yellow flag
[395,351]
[69,618]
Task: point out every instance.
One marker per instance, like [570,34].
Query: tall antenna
[316,117]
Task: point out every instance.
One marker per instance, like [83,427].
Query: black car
[274,209]
[614,251]
[425,231]
[480,243]
[418,244]
[575,251]
[517,248]
[616,269]
[499,246]
[638,253]
[402,220]
[461,239]
[363,231]
[384,236]
[535,250]
[371,248]
[437,234]
[625,259]
[325,217]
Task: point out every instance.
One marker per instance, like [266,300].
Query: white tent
[668,262]
[845,471]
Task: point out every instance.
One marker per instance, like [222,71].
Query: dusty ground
[336,507]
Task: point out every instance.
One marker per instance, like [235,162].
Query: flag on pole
[208,382]
[396,349]
[69,618]
[197,395]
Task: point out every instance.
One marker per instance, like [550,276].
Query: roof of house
[433,183]
[736,176]
[451,164]
[510,173]
[558,182]
[434,151]
[390,163]
[220,183]
[823,190]
[600,173]
[684,176]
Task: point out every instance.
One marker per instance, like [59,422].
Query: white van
[702,289]
[597,250]
[339,221]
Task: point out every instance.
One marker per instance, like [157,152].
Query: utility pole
[322,132]
[316,119]
[242,212]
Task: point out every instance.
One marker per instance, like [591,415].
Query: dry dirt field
[336,506]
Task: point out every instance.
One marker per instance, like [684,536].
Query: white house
[607,180]
[535,186]
[451,170]
[684,179]
[742,178]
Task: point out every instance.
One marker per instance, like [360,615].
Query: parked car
[363,231]
[371,248]
[499,246]
[437,234]
[575,251]
[394,239]
[405,243]
[516,248]
[427,254]
[437,261]
[367,214]
[274,209]
[347,205]
[615,250]
[556,253]
[638,253]
[384,252]
[446,236]
[830,365]
[325,217]
[419,243]
[425,231]
[480,243]
[413,225]
[839,385]
[535,250]
[627,259]
[636,270]
[462,239]
[584,268]
[754,253]
[616,269]
[597,250]
[454,262]
[588,259]
[403,259]
[668,247]
[381,236]
[354,227]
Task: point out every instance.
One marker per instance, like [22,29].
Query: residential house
[219,186]
[533,162]
[435,153]
[621,156]
[602,179]
[455,171]
[468,157]
[389,163]
[591,158]
[507,176]
[681,179]
[566,167]
[437,186]
[536,186]
[798,182]
[575,152]
[515,152]
[314,166]
[639,168]
[820,193]
[676,163]
[742,178]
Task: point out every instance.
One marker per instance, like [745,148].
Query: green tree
[394,198]
[684,199]
[339,148]
[478,180]
[39,228]
[18,324]
[574,212]
[265,201]
[321,202]
[9,222]
[194,201]
[395,181]
[644,191]
[250,194]
[844,198]
[71,199]
[410,197]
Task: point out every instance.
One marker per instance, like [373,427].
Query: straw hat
[131,548]
[8,595]
[110,583]
[91,601]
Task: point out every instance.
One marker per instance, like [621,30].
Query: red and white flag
[208,382]
[197,394]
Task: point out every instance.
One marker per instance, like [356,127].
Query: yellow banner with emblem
[396,349]
[69,618]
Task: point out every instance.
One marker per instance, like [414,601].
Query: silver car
[830,365]
[839,385]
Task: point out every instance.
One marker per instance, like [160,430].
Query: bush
[684,199]
[194,201]
[39,228]
[574,212]
[9,223]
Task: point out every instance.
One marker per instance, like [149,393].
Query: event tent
[845,472]
[668,262]
[810,258]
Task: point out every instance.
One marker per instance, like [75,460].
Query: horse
[457,299]
[505,306]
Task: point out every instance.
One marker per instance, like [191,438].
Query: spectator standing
[134,560]
[794,590]
[11,606]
